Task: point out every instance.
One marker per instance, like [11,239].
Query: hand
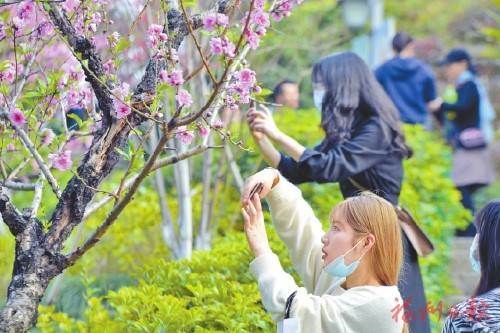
[254,226]
[268,177]
[262,122]
[435,105]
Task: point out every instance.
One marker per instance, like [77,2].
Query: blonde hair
[368,213]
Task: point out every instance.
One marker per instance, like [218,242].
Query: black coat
[465,111]
[372,160]
[369,157]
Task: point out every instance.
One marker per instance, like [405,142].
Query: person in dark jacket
[472,167]
[409,82]
[363,145]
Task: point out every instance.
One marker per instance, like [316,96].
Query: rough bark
[34,267]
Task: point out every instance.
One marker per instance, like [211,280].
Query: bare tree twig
[196,43]
[41,164]
[19,186]
[37,198]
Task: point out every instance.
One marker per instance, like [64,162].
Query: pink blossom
[184,98]
[95,21]
[155,29]
[246,78]
[17,117]
[222,46]
[259,3]
[75,74]
[100,41]
[217,123]
[156,35]
[163,75]
[252,38]
[203,131]
[73,98]
[229,48]
[209,22]
[215,19]
[173,55]
[185,136]
[109,67]
[9,74]
[11,147]
[260,31]
[122,91]
[260,18]
[222,20]
[216,45]
[70,5]
[122,110]
[61,160]
[44,29]
[175,78]
[47,136]
[284,9]
[25,10]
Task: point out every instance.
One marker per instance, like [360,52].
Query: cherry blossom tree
[69,55]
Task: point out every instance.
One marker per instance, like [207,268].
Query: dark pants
[412,290]
[467,192]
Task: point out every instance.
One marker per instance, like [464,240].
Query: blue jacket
[411,85]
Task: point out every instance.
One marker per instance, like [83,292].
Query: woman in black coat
[363,147]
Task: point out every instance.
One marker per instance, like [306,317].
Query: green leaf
[123,44]
[75,117]
[125,155]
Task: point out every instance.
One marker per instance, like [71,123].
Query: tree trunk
[34,267]
[185,216]
[203,239]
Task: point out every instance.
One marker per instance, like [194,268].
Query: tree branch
[10,215]
[18,186]
[86,49]
[39,160]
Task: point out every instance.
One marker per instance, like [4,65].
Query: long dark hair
[351,88]
[488,228]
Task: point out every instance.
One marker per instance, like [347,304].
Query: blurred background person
[286,93]
[409,82]
[471,129]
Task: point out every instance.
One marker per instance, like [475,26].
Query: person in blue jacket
[409,82]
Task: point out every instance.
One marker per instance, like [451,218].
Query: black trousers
[412,290]
[467,192]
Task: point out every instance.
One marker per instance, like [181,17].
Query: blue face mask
[318,96]
[338,267]
[474,255]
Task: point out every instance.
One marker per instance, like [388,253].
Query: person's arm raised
[262,121]
[294,222]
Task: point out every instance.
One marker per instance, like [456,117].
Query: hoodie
[411,85]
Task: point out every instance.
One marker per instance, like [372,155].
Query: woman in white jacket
[350,273]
